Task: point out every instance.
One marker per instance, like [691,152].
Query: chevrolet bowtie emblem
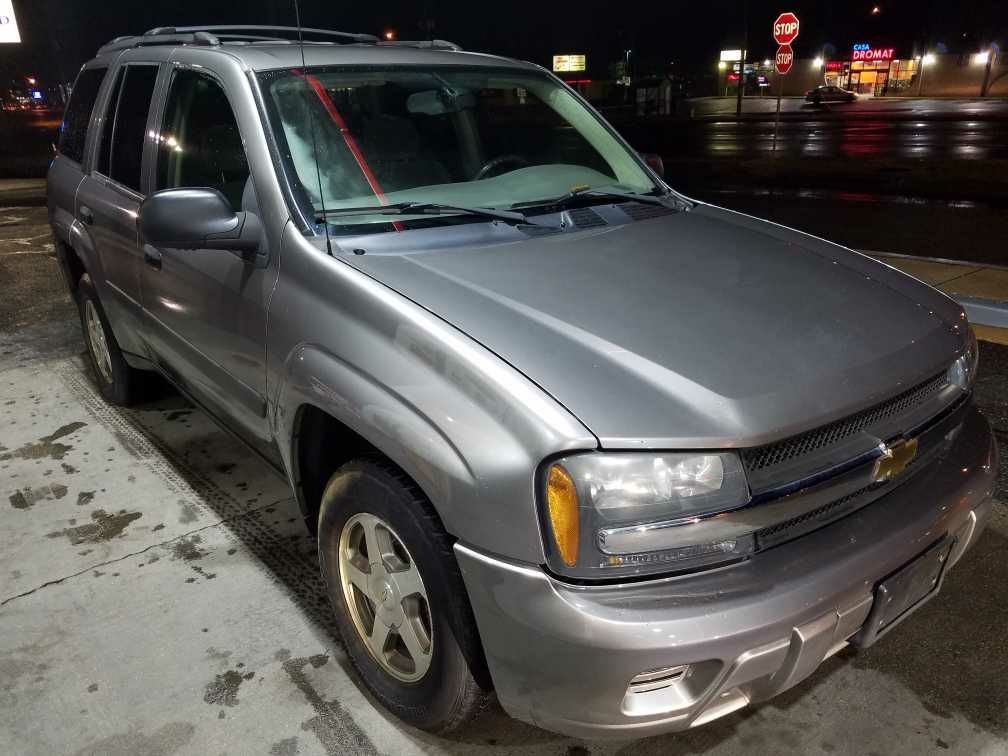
[894,460]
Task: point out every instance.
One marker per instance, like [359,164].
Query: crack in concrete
[218,523]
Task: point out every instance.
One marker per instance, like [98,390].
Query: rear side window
[200,144]
[73,132]
[130,125]
[105,146]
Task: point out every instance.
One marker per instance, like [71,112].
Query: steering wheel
[494,163]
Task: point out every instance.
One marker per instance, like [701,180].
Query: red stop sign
[784,59]
[785,28]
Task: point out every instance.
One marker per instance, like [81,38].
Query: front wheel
[399,598]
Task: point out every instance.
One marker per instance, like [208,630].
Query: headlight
[963,371]
[614,514]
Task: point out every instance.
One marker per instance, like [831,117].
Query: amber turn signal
[561,500]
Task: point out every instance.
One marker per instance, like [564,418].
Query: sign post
[785,31]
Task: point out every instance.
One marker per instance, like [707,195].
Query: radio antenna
[311,126]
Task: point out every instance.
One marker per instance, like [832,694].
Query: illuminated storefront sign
[864,51]
[731,55]
[568,63]
[8,23]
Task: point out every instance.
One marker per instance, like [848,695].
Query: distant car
[828,93]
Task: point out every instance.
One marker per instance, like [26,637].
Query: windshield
[474,137]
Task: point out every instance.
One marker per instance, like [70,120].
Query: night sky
[59,35]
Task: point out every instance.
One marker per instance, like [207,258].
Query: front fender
[467,427]
[385,419]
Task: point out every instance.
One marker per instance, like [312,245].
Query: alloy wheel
[385,596]
[96,338]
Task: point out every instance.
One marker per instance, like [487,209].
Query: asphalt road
[910,107]
[891,128]
[885,223]
[854,138]
[159,595]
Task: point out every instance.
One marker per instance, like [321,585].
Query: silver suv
[629,460]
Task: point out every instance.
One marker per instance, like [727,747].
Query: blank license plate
[904,591]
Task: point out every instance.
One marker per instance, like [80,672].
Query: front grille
[777,453]
[811,520]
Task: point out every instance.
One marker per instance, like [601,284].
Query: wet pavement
[904,225]
[159,595]
[856,138]
[894,107]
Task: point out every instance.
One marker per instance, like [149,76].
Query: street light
[981,58]
[30,80]
[767,62]
[389,35]
[928,59]
[817,63]
[722,65]
[876,10]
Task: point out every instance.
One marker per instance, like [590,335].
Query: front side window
[199,144]
[472,137]
[130,125]
[73,132]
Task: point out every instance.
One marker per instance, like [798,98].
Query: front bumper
[562,656]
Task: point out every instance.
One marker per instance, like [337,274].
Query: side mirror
[197,219]
[654,162]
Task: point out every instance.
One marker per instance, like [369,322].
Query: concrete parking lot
[159,595]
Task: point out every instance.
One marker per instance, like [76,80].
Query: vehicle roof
[263,55]
[266,55]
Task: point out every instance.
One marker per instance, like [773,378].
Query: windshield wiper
[425,208]
[612,194]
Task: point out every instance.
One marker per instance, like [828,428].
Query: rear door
[109,198]
[205,309]
[67,171]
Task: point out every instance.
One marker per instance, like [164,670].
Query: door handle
[152,256]
[86,216]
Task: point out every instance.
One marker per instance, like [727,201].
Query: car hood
[700,329]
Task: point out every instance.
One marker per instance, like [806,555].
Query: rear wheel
[116,381]
[398,595]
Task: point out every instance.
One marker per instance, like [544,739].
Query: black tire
[122,386]
[453,689]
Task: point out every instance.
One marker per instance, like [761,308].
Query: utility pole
[745,45]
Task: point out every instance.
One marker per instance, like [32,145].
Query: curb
[987,312]
[991,315]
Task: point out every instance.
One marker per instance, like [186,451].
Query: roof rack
[125,43]
[212,36]
[432,44]
[223,31]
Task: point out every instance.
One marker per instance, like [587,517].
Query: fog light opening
[655,679]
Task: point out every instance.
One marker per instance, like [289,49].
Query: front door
[205,309]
